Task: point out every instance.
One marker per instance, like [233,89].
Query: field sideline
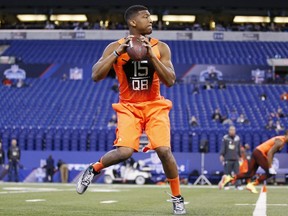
[61,199]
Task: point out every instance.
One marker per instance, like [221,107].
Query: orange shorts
[151,117]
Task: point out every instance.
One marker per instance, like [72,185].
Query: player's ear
[132,22]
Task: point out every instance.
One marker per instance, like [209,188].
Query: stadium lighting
[179,18]
[154,18]
[32,17]
[281,19]
[251,19]
[69,17]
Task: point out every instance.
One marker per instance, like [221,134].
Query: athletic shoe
[85,179]
[251,187]
[225,179]
[178,205]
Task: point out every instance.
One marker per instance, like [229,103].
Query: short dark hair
[132,10]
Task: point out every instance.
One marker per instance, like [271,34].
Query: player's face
[232,132]
[143,22]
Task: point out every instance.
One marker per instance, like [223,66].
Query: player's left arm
[163,66]
[276,147]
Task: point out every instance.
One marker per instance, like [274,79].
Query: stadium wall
[76,159]
[163,35]
[188,163]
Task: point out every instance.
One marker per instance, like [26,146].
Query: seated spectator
[221,85]
[113,121]
[242,120]
[284,96]
[263,97]
[273,116]
[226,121]
[270,125]
[193,121]
[216,116]
[195,89]
[64,77]
[278,126]
[20,84]
[207,86]
[280,113]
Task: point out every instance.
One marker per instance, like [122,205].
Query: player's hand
[147,44]
[122,48]
[272,171]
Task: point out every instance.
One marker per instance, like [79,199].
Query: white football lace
[173,198]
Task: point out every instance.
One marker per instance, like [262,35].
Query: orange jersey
[138,81]
[266,146]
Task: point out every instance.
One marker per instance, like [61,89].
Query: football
[136,50]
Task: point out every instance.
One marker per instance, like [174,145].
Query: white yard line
[261,207]
[108,201]
[274,204]
[36,200]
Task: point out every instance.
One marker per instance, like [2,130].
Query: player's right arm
[102,67]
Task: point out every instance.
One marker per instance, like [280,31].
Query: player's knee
[164,153]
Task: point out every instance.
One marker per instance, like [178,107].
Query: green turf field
[57,199]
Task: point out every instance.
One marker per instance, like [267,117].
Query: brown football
[136,50]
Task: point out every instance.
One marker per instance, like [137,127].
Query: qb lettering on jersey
[139,74]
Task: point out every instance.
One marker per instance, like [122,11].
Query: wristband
[115,53]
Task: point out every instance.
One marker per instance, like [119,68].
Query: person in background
[64,172]
[113,121]
[242,120]
[284,96]
[216,116]
[270,125]
[50,168]
[243,161]
[263,97]
[64,77]
[278,126]
[207,86]
[14,155]
[248,151]
[193,122]
[227,121]
[230,153]
[280,113]
[262,156]
[195,89]
[2,155]
[221,85]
